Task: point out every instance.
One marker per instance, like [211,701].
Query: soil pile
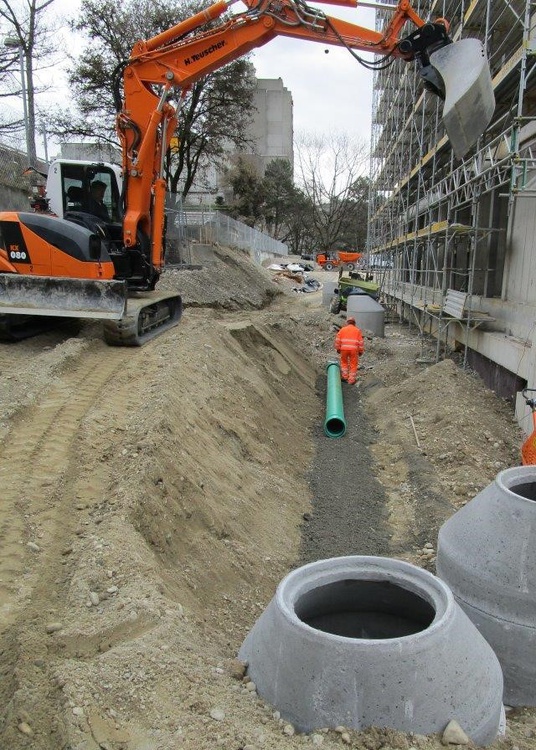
[152,500]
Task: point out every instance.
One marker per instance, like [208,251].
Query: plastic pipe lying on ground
[334,423]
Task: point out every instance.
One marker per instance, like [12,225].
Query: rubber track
[125,332]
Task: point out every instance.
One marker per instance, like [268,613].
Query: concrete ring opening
[370,641]
[524,487]
[355,608]
[526,490]
[519,480]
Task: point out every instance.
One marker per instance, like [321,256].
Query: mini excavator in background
[72,263]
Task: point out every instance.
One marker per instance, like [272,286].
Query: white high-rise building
[271,133]
[272,127]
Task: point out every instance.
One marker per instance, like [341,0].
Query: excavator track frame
[147,315]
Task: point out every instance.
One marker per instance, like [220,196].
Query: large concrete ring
[486,554]
[362,641]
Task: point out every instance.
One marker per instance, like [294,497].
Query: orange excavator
[77,264]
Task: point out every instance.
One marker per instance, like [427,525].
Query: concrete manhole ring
[486,554]
[360,641]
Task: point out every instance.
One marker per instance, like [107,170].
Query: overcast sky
[331,92]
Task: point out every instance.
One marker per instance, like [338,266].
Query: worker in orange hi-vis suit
[349,343]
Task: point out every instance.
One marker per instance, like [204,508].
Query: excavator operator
[349,344]
[96,201]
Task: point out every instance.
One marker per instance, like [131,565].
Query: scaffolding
[453,225]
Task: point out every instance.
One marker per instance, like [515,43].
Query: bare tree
[27,40]
[327,170]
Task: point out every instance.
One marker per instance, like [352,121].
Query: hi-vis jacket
[350,339]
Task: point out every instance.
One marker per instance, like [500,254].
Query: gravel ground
[349,504]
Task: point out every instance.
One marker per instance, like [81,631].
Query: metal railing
[210,226]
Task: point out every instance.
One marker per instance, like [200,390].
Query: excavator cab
[69,188]
[71,262]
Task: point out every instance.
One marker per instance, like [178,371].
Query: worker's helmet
[351,319]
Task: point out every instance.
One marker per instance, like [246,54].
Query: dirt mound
[229,282]
[154,498]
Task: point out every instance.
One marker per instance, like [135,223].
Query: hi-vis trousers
[349,364]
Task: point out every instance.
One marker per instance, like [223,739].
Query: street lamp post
[14,43]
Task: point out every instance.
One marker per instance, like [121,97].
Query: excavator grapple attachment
[469,98]
[62,297]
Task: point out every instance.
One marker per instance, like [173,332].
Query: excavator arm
[173,60]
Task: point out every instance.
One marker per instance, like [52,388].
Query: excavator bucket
[62,297]
[469,98]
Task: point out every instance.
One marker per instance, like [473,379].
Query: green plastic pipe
[334,423]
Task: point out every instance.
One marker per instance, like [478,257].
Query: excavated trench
[349,507]
[165,486]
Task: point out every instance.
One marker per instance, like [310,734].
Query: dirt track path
[36,514]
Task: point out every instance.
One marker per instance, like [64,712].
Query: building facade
[272,127]
[468,226]
[271,134]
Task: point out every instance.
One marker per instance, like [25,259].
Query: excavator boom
[98,264]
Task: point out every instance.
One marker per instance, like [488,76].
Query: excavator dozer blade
[62,297]
[469,98]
